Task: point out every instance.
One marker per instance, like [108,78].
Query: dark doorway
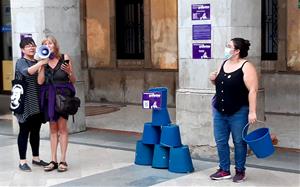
[130,29]
[269,29]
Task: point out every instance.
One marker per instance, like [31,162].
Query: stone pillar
[62,20]
[193,98]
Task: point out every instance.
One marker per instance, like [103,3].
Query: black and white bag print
[17,96]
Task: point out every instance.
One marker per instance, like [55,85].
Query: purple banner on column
[201,51]
[25,35]
[202,32]
[200,11]
[151,100]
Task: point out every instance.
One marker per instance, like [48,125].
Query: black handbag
[18,92]
[66,104]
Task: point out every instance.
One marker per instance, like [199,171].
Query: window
[269,29]
[130,29]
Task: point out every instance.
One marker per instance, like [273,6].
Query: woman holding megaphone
[56,78]
[31,118]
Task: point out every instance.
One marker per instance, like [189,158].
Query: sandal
[63,166]
[52,166]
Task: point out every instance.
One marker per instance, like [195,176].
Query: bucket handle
[246,127]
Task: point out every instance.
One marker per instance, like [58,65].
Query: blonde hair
[56,46]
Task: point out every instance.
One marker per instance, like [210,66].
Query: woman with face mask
[234,106]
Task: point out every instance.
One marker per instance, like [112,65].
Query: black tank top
[56,75]
[231,91]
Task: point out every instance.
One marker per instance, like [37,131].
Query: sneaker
[221,174]
[25,167]
[239,176]
[40,163]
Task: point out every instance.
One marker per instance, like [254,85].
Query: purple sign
[151,100]
[25,35]
[201,51]
[202,32]
[200,11]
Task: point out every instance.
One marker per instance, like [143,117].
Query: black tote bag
[18,93]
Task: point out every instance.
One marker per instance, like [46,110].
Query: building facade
[122,48]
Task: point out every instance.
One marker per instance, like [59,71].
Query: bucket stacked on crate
[161,145]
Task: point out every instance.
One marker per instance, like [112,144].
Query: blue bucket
[259,141]
[143,153]
[160,157]
[160,117]
[170,136]
[180,160]
[151,134]
[164,95]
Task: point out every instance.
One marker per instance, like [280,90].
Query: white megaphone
[43,52]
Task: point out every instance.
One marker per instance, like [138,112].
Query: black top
[231,91]
[56,75]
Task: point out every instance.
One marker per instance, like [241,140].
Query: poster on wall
[202,32]
[200,11]
[151,100]
[201,51]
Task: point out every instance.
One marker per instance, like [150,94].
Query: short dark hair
[241,44]
[26,41]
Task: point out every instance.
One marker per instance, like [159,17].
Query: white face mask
[228,53]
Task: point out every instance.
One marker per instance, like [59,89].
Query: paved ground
[101,157]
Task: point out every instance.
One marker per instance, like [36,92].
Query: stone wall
[127,86]
[119,80]
[164,34]
[293,35]
[282,107]
[98,33]
[281,79]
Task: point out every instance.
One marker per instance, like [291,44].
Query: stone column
[62,20]
[235,18]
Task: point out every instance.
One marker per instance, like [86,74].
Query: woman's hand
[67,68]
[252,118]
[213,76]
[44,61]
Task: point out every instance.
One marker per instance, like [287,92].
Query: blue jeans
[223,125]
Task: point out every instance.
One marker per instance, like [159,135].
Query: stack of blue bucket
[161,145]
